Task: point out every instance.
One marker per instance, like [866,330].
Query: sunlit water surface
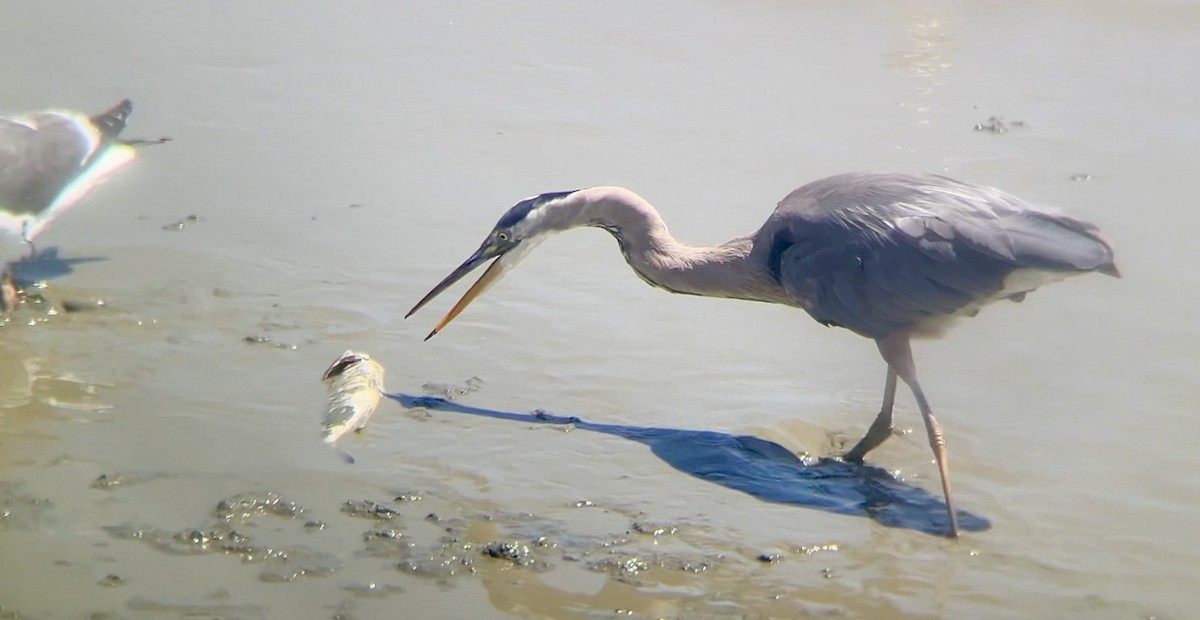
[340,159]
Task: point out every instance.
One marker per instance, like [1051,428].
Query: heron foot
[880,430]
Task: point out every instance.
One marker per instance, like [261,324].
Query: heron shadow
[46,264]
[763,469]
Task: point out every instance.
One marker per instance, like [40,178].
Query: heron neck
[725,270]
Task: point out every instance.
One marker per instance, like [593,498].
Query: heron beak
[489,277]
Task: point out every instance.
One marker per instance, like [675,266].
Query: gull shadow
[763,469]
[47,265]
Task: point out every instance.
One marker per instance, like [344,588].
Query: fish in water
[50,160]
[355,384]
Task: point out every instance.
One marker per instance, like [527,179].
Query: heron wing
[875,253]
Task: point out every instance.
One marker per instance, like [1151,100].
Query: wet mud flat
[365,556]
[394,531]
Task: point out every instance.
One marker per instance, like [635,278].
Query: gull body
[50,160]
[890,257]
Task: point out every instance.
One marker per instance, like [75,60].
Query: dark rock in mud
[510,550]
[654,529]
[383,534]
[105,481]
[111,580]
[183,223]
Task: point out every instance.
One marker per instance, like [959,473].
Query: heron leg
[881,428]
[897,351]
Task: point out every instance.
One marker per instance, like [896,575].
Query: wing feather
[41,154]
[879,252]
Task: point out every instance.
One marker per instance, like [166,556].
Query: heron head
[520,229]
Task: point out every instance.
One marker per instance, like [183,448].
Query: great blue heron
[887,256]
[49,160]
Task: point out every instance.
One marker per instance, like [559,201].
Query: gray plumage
[887,256]
[50,160]
[43,152]
[876,253]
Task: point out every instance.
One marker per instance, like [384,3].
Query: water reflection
[17,373]
[761,468]
[46,264]
[930,41]
[35,392]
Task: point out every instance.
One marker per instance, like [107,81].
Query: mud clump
[245,506]
[451,391]
[388,543]
[509,550]
[368,509]
[220,536]
[18,509]
[441,565]
[629,568]
[183,223]
[997,125]
[111,580]
[105,481]
[655,529]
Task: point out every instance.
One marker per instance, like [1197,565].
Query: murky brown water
[341,158]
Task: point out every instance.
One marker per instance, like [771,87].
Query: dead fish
[355,383]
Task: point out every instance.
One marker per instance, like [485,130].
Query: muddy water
[160,455]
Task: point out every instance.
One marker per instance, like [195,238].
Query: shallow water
[340,161]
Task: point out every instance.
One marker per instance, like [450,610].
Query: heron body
[888,256]
[50,160]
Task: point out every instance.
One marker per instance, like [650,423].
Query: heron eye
[503,236]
